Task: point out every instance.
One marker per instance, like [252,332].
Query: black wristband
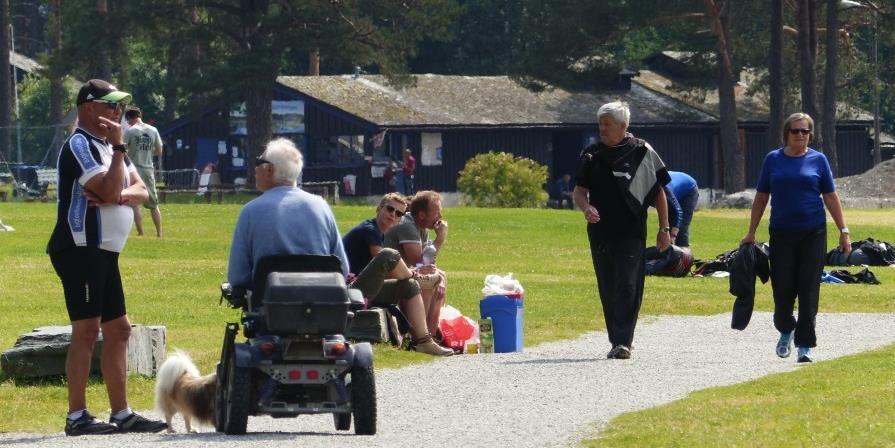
[119,148]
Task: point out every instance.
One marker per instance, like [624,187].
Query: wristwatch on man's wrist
[665,229]
[844,230]
[119,148]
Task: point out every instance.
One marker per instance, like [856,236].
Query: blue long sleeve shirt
[675,212]
[282,221]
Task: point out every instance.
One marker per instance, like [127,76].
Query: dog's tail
[176,365]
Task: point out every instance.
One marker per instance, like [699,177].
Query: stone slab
[42,352]
[369,325]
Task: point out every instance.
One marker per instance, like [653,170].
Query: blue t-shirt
[795,185]
[357,244]
[681,183]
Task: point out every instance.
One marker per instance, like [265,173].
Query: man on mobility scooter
[287,272]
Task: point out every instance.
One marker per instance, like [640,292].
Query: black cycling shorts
[91,282]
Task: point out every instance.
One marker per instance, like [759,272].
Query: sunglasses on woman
[800,131]
[396,212]
[260,161]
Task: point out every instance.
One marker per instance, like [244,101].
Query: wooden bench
[328,190]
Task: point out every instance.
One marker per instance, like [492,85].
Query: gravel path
[550,395]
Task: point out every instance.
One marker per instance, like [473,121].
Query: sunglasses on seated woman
[396,212]
[800,131]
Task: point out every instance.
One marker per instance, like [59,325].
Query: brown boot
[426,345]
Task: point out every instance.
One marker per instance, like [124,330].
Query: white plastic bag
[496,285]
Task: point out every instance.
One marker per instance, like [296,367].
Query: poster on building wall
[432,152]
[238,120]
[287,117]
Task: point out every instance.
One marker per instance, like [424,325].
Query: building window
[341,150]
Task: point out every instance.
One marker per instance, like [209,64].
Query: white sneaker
[805,355]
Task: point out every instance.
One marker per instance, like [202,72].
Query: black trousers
[619,266]
[797,260]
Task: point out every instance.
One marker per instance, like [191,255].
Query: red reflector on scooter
[296,374]
[312,374]
[266,348]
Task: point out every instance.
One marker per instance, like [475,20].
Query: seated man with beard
[411,238]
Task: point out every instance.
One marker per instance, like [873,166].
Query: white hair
[286,159]
[618,110]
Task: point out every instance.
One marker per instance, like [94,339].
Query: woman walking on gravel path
[795,178]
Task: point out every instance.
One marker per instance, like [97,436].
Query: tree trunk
[57,89]
[6,83]
[104,68]
[314,63]
[732,152]
[829,99]
[808,65]
[775,77]
[258,109]
[169,111]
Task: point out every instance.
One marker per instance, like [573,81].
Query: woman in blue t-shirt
[795,178]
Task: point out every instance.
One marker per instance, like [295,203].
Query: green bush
[501,180]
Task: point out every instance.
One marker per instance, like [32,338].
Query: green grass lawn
[174,282]
[844,402]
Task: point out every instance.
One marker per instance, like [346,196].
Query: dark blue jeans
[688,205]
[797,260]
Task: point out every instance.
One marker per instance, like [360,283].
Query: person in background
[98,185]
[411,238]
[682,194]
[798,182]
[143,143]
[617,179]
[383,277]
[408,168]
[562,192]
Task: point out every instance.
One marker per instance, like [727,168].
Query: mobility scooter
[294,359]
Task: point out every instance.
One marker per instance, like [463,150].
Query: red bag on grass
[457,329]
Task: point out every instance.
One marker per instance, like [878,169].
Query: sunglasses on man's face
[260,161]
[109,104]
[800,131]
[394,211]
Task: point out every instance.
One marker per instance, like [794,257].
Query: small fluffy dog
[179,388]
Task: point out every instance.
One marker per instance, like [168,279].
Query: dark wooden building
[353,126]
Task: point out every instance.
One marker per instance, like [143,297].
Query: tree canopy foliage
[180,57]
